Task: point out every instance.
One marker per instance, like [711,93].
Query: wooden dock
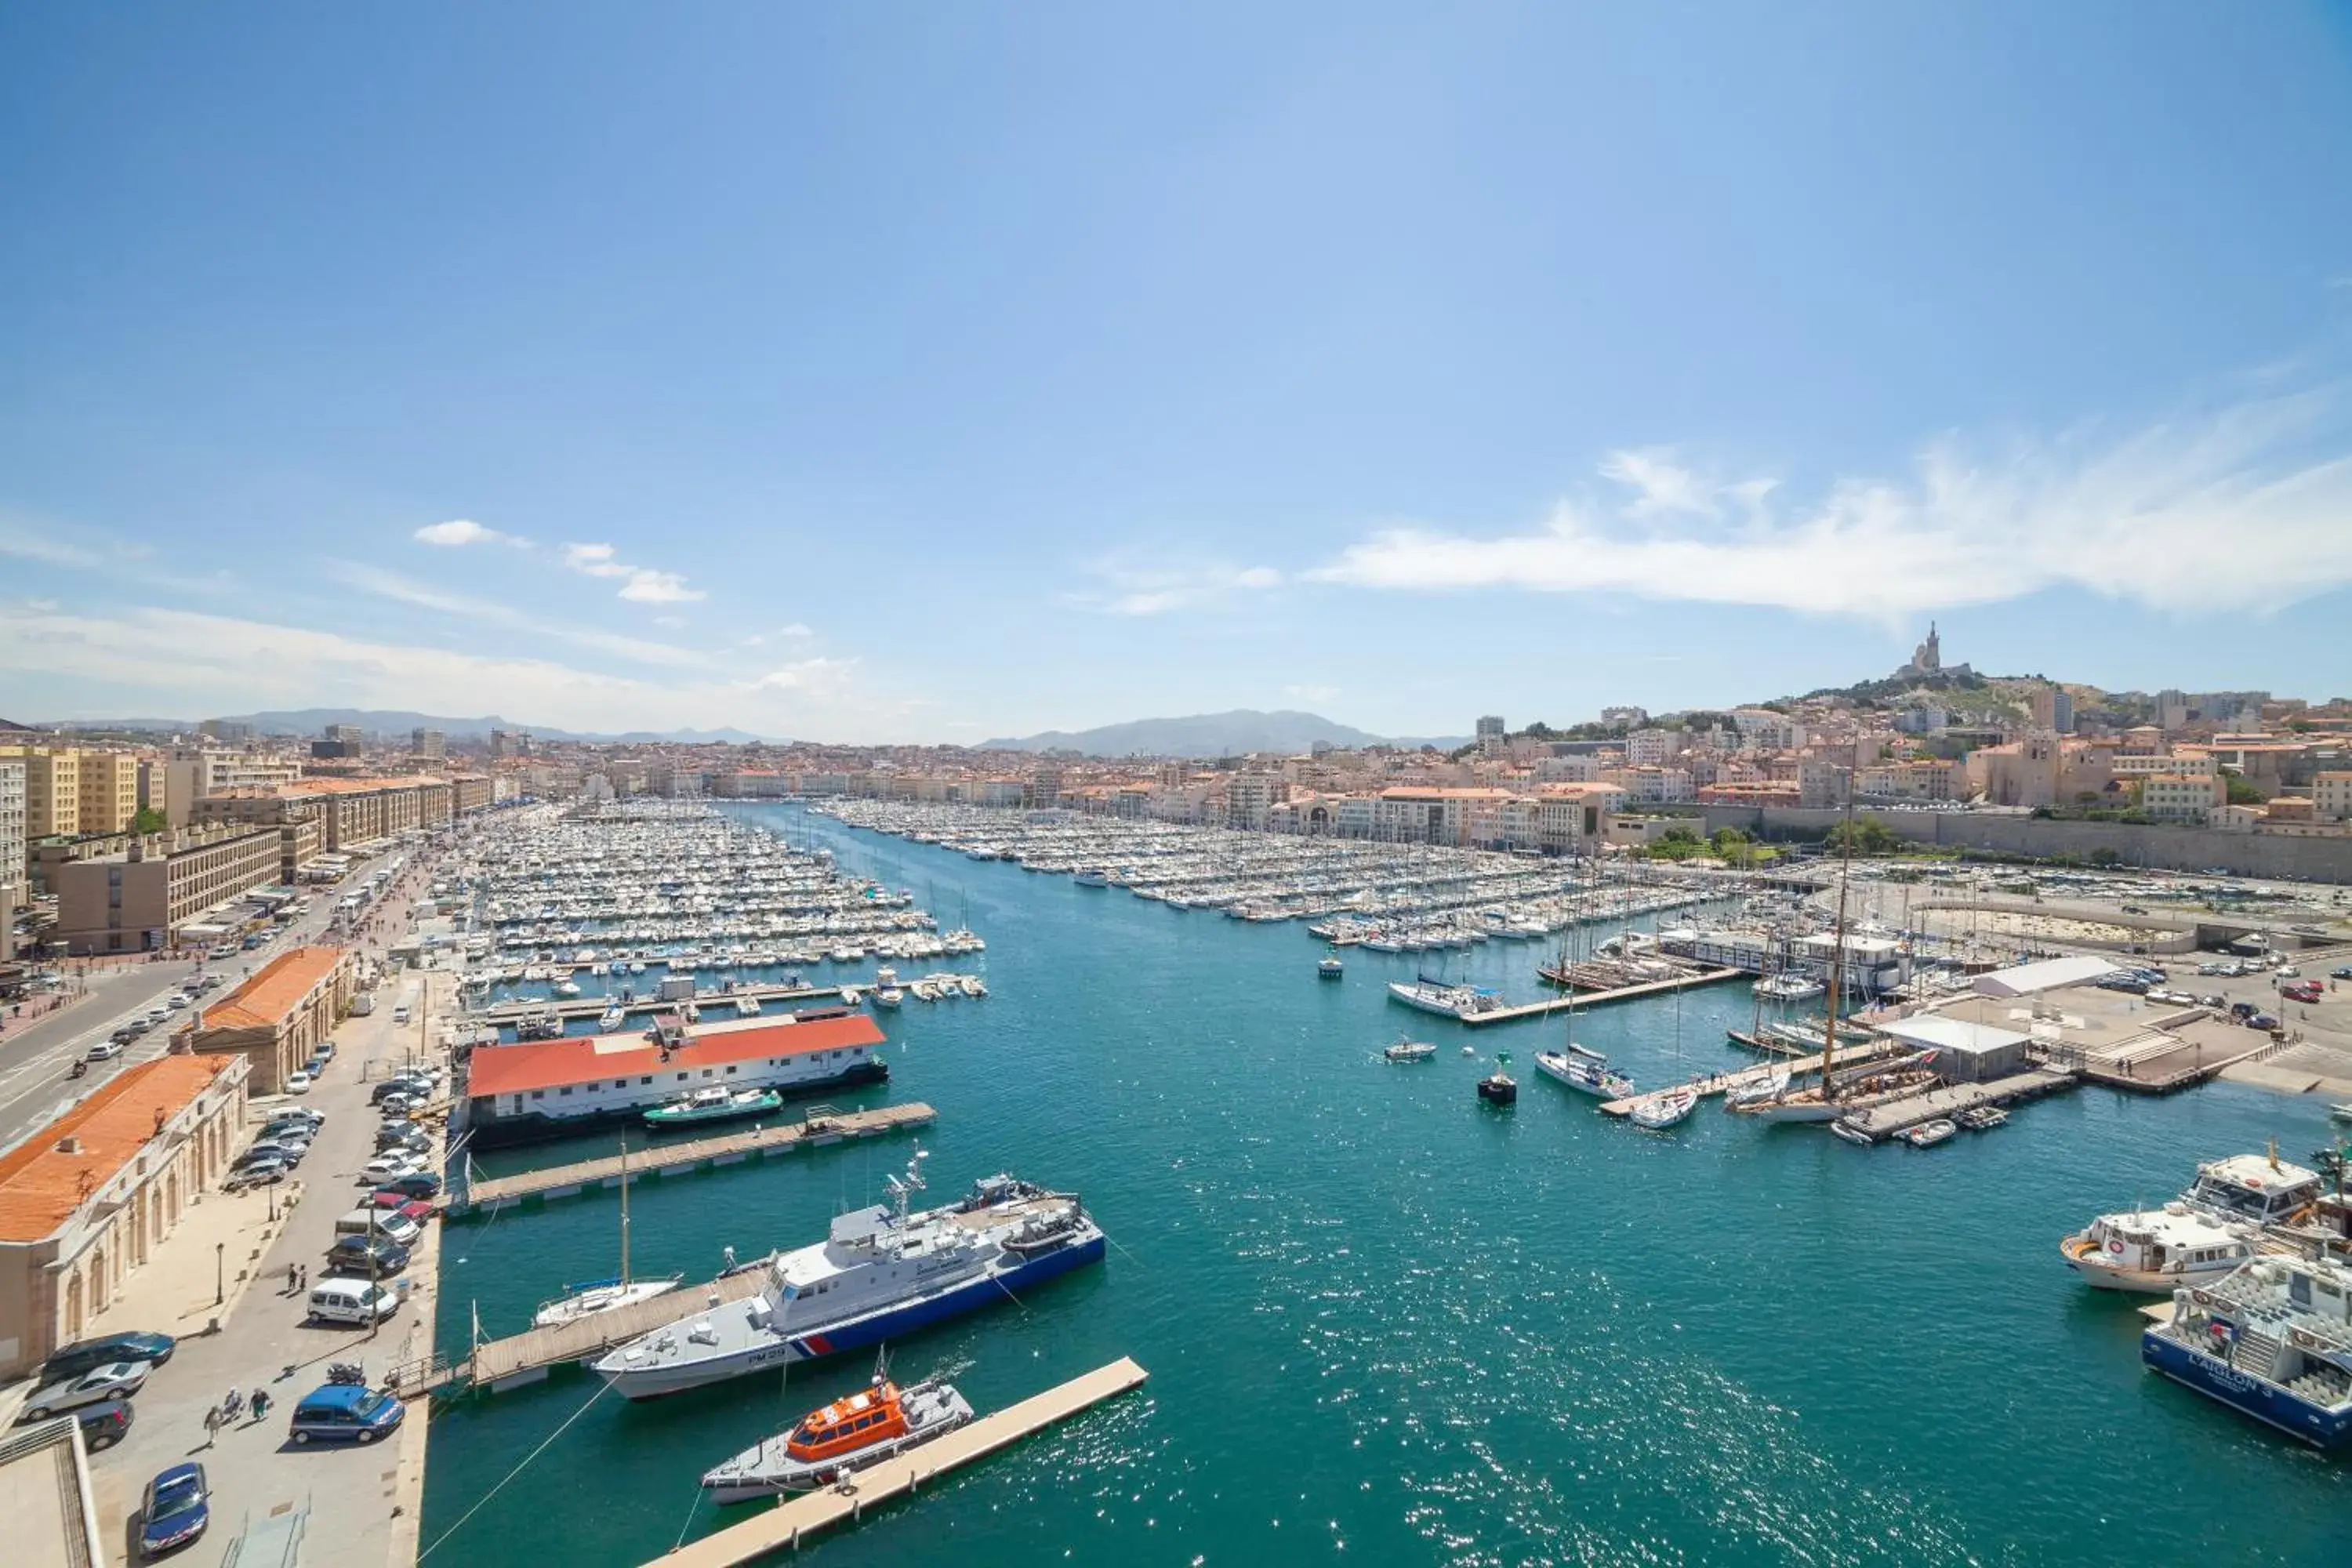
[1602,998]
[796,1518]
[653,1162]
[528,1356]
[1708,1087]
[1885,1121]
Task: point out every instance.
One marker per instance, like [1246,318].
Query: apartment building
[109,791]
[2331,797]
[52,789]
[2182,797]
[11,850]
[432,744]
[1918,780]
[137,899]
[1651,784]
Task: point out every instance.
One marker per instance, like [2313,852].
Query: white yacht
[1449,1001]
[1587,1072]
[881,1272]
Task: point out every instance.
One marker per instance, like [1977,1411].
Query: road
[37,1054]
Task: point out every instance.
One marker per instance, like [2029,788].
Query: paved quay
[219,1284]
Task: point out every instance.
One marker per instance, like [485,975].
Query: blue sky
[931,373]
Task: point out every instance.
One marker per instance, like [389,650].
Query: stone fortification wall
[2172,849]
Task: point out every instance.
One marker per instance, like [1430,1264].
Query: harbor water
[1388,1324]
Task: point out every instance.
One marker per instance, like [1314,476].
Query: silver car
[116,1380]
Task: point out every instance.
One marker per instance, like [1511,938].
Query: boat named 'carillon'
[881,1272]
[554,1088]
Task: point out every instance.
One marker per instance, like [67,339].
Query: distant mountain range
[1208,735]
[312,722]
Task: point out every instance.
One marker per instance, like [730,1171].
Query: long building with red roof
[554,1088]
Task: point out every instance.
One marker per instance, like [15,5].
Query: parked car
[2261,1021]
[298,1082]
[115,1380]
[260,1173]
[288,1130]
[384,1169]
[416,1209]
[400,1015]
[344,1412]
[105,1424]
[87,1355]
[367,1255]
[104,1051]
[315,1117]
[262,1154]
[179,1505]
[416,1184]
[2341,971]
[177,1000]
[2241,1010]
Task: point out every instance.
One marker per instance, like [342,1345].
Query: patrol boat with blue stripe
[882,1271]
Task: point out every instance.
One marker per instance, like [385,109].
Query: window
[565,1092]
[731,1071]
[648,1079]
[539,1094]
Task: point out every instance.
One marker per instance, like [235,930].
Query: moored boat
[714,1105]
[1587,1072]
[2273,1340]
[1408,1050]
[1664,1108]
[874,1422]
[2155,1250]
[1500,1087]
[1927,1135]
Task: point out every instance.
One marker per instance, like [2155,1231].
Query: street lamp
[220,1272]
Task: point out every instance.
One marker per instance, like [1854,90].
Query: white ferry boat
[555,1089]
[882,1271]
[2157,1250]
[2273,1340]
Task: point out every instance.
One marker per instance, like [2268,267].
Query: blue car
[179,1505]
[345,1412]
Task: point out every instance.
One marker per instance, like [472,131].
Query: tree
[1870,837]
[147,819]
[2106,859]
[1679,834]
[2242,790]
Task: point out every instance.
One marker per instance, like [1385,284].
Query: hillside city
[117,842]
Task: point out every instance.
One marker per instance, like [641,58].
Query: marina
[1199,1001]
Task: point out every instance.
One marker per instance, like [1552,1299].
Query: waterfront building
[2182,797]
[136,899]
[431,744]
[86,1198]
[11,850]
[281,1012]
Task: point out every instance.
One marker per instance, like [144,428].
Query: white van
[400,1015]
[353,1301]
[390,1224]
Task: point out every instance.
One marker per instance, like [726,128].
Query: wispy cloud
[643,585]
[1140,586]
[1310,693]
[797,629]
[463,531]
[228,663]
[31,539]
[2240,508]
[402,590]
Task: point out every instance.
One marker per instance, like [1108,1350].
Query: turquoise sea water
[1387,1325]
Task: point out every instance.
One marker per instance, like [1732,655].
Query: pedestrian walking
[212,1424]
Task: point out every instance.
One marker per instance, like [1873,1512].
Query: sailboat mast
[1837,952]
[624,1211]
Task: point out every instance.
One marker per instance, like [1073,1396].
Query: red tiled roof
[272,993]
[40,1186]
[585,1058]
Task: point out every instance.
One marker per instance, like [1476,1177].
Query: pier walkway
[775,1529]
[1708,1087]
[527,1357]
[1601,998]
[1885,1121]
[510,1013]
[821,1126]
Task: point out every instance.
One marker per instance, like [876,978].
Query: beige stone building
[275,1019]
[109,791]
[88,1199]
[135,899]
[52,789]
[2331,796]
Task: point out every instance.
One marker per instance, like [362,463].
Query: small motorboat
[874,1422]
[1665,1107]
[1410,1051]
[888,997]
[1330,968]
[611,1019]
[2341,1112]
[1500,1087]
[714,1105]
[1982,1118]
[1852,1132]
[972,986]
[1927,1135]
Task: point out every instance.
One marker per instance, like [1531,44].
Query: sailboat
[602,1295]
[1585,1071]
[1668,1107]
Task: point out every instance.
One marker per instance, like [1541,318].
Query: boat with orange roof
[878,1421]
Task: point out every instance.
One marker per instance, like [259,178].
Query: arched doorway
[100,1286]
[73,1306]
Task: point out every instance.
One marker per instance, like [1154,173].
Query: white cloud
[402,590]
[796,629]
[1310,693]
[595,560]
[30,538]
[1135,585]
[461,531]
[229,664]
[643,585]
[650,587]
[2241,509]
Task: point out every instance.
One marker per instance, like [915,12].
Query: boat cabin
[2268,1191]
[871,1415]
